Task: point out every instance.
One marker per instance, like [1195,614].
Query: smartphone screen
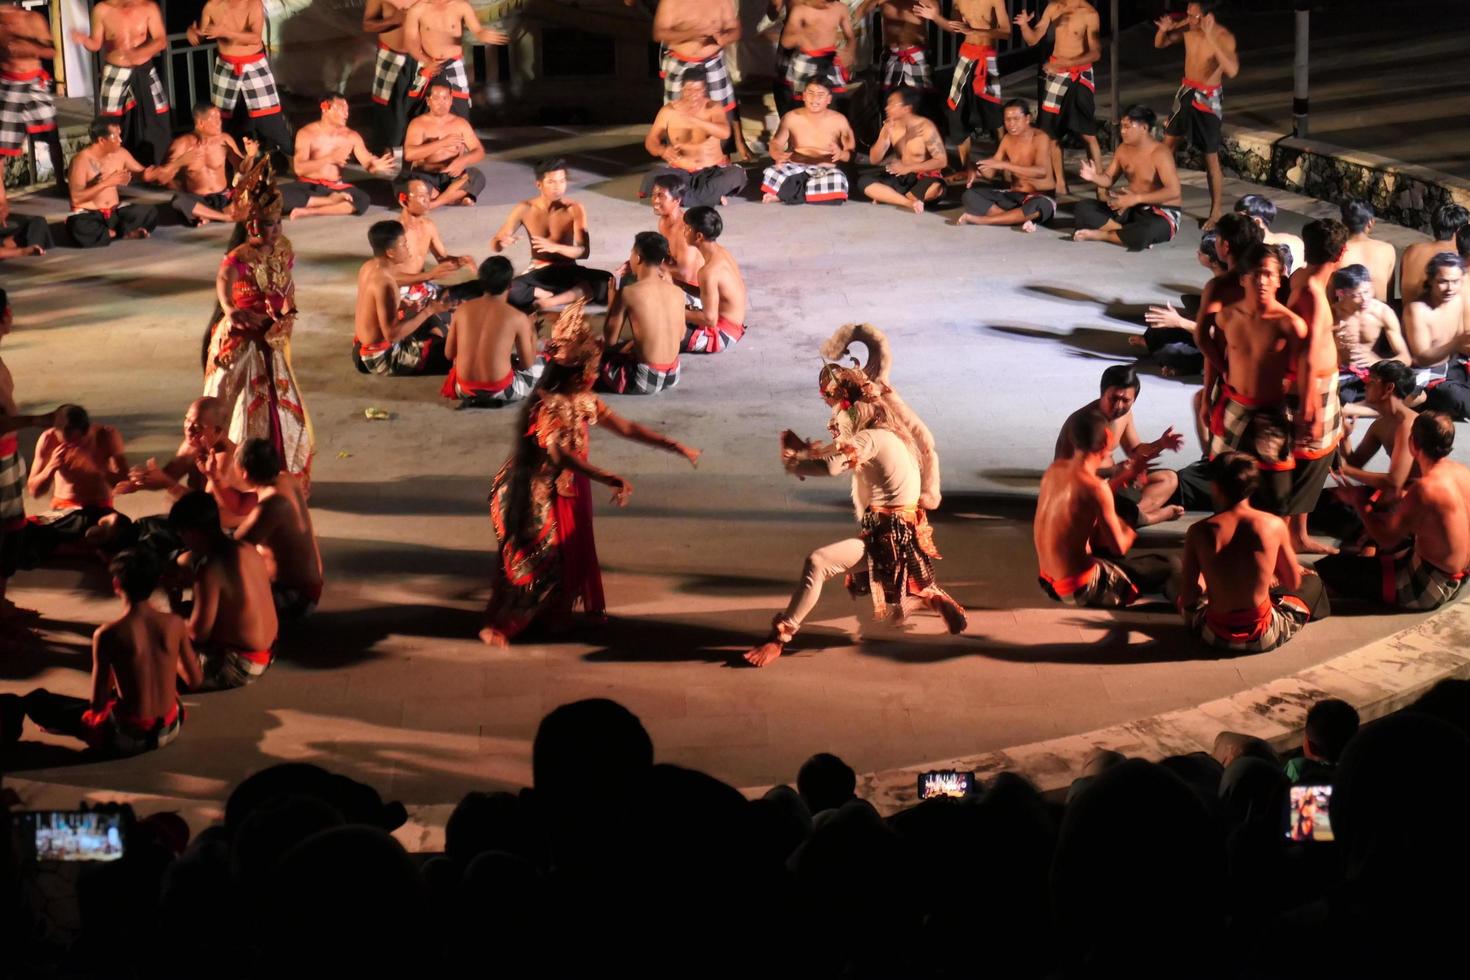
[75,835]
[945,783]
[1309,813]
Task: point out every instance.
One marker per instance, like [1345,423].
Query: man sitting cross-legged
[279,525]
[719,323]
[1424,537]
[1076,525]
[688,135]
[323,148]
[387,338]
[441,149]
[1145,215]
[915,174]
[1242,588]
[79,461]
[806,152]
[1434,329]
[652,309]
[96,173]
[557,227]
[816,42]
[1024,160]
[204,156]
[232,621]
[1140,494]
[137,661]
[483,335]
[667,200]
[416,278]
[1364,329]
[1387,386]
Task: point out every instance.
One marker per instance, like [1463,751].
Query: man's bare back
[721,287]
[483,334]
[1415,266]
[144,650]
[654,311]
[1240,552]
[281,530]
[235,585]
[1068,511]
[1379,258]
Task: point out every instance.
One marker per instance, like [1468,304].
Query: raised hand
[1165,316]
[1088,171]
[1170,440]
[1023,19]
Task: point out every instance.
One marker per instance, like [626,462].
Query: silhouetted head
[825,782]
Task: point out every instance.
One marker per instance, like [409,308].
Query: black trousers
[90,229]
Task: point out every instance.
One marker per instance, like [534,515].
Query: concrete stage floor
[997,336]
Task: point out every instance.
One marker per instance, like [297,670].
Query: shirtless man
[1379,258]
[1262,210]
[323,148]
[1209,59]
[97,172]
[233,622]
[1242,589]
[1317,417]
[205,460]
[27,107]
[394,72]
[137,661]
[202,156]
[433,35]
[21,236]
[241,71]
[806,152]
[694,34]
[483,335]
[1388,384]
[905,36]
[1076,524]
[1431,513]
[817,42]
[1365,330]
[1023,158]
[1140,494]
[1068,105]
[652,310]
[974,102]
[417,276]
[280,528]
[441,149]
[667,200]
[687,135]
[1413,270]
[720,322]
[557,228]
[914,175]
[1145,215]
[78,462]
[130,34]
[1434,327]
[387,337]
[12,482]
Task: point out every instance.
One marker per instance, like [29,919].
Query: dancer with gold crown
[541,500]
[895,481]
[248,355]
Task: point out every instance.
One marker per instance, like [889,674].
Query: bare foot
[295,213]
[1169,372]
[918,206]
[137,233]
[1028,227]
[1311,546]
[764,654]
[1171,513]
[770,198]
[1137,341]
[1086,235]
[952,612]
[1210,223]
[492,637]
[963,219]
[466,202]
[203,221]
[724,202]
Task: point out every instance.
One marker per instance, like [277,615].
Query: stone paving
[997,336]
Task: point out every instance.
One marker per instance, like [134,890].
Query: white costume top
[884,470]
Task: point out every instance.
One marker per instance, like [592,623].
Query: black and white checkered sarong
[26,107]
[251,80]
[1058,84]
[965,80]
[386,69]
[12,484]
[671,69]
[824,182]
[799,67]
[906,66]
[114,97]
[452,72]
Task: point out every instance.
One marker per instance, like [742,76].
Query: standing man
[905,38]
[394,72]
[915,175]
[806,152]
[719,323]
[483,335]
[323,148]
[1209,58]
[688,135]
[1068,105]
[1379,258]
[388,336]
[241,71]
[974,92]
[557,227]
[1024,160]
[433,35]
[695,33]
[97,172]
[652,311]
[441,149]
[1145,215]
[1242,589]
[27,109]
[130,34]
[204,156]
[816,42]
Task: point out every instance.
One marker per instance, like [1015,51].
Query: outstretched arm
[629,429]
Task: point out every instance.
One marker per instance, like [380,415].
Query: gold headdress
[572,340]
[256,199]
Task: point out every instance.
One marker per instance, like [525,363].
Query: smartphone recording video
[1308,816]
[74,835]
[945,782]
